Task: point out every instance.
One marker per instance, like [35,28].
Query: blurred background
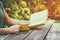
[15,8]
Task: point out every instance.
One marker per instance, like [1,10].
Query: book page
[38,18]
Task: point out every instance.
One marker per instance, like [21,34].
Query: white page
[38,18]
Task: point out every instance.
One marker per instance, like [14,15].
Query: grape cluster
[16,11]
[24,10]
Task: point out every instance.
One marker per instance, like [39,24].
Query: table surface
[45,32]
[54,33]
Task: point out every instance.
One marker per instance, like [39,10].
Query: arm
[12,29]
[10,21]
[6,18]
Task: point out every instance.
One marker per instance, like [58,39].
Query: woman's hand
[15,28]
[14,21]
[12,29]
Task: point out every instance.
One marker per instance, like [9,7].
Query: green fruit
[5,26]
[23,4]
[7,9]
[13,9]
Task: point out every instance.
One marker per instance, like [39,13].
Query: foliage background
[12,7]
[35,5]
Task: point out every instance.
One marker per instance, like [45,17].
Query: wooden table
[54,33]
[45,32]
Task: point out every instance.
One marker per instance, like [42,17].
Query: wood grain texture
[19,36]
[40,33]
[54,33]
[2,37]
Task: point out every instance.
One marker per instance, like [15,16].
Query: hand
[12,29]
[15,22]
[15,27]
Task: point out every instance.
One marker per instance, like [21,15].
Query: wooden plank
[54,33]
[19,36]
[2,37]
[40,33]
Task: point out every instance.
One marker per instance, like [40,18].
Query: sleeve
[1,6]
[1,15]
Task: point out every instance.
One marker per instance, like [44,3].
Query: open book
[38,18]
